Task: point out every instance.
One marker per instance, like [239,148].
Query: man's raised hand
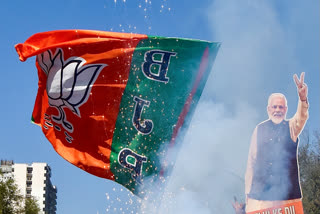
[302,88]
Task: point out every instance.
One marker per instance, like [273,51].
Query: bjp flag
[113,103]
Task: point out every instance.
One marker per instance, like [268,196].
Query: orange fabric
[63,38]
[91,138]
[288,208]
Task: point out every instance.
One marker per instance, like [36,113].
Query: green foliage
[31,206]
[10,198]
[12,202]
[309,163]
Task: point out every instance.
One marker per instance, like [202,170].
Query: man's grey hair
[277,95]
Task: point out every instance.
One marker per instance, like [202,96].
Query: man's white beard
[276,120]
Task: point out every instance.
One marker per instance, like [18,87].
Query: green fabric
[167,101]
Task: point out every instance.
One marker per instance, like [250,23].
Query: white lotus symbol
[68,83]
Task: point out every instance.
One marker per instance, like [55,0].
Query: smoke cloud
[257,57]
[210,166]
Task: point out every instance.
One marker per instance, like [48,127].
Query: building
[33,180]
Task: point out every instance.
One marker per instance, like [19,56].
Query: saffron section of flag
[112,103]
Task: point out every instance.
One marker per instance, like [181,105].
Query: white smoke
[210,166]
[257,57]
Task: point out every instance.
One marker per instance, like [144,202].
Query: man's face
[277,109]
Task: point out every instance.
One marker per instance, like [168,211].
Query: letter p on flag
[107,101]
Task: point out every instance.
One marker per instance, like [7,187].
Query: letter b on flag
[163,64]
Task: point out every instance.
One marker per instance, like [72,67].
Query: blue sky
[263,44]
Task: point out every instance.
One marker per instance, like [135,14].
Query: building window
[29,169]
[28,191]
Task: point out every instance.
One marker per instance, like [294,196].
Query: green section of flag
[166,100]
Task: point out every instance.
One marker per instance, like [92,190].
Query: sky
[263,43]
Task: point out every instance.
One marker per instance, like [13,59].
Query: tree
[12,202]
[31,206]
[309,164]
[10,198]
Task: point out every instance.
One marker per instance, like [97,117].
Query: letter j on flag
[111,103]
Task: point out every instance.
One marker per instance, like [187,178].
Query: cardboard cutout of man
[272,176]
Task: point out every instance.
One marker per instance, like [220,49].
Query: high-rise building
[33,180]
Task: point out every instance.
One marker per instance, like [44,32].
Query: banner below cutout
[113,103]
[289,208]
